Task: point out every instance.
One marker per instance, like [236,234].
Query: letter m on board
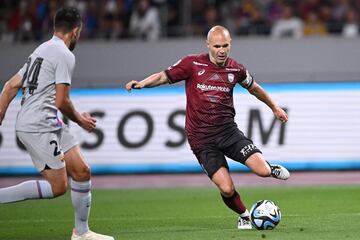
[255,118]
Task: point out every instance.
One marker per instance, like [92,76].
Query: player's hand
[87,122]
[133,84]
[281,114]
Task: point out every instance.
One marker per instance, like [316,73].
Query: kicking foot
[279,172]
[244,223]
[90,235]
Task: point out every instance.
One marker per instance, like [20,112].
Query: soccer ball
[265,215]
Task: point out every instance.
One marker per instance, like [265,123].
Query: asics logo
[201,72]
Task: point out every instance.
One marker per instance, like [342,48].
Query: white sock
[245,214]
[81,200]
[26,190]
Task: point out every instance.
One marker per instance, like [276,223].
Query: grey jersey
[50,64]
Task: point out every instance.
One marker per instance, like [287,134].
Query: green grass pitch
[313,213]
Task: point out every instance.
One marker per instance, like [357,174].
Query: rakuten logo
[204,87]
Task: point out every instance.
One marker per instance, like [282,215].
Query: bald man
[210,126]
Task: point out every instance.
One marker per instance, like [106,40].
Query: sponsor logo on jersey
[200,64]
[231,77]
[204,87]
[201,72]
[232,69]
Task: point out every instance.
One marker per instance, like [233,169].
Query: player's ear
[76,32]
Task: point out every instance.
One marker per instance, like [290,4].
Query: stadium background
[315,76]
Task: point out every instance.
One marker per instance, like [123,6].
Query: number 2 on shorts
[56,150]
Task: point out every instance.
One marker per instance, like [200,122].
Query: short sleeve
[64,69]
[22,70]
[246,80]
[181,70]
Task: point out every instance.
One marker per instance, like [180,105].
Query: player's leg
[231,197]
[51,167]
[244,151]
[214,164]
[54,186]
[257,163]
[80,185]
[57,179]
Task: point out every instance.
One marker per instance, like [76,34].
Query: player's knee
[82,174]
[227,190]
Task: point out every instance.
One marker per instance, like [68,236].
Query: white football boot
[244,221]
[279,172]
[90,235]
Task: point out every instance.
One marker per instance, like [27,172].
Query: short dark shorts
[234,145]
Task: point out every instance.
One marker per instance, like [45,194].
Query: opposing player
[45,80]
[211,130]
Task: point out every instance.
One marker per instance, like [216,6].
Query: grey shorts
[47,148]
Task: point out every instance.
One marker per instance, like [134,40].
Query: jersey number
[56,150]
[32,73]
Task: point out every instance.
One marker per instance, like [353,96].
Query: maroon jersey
[209,92]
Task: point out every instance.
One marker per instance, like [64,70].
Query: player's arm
[66,107]
[153,80]
[260,94]
[9,91]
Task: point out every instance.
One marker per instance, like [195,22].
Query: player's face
[75,37]
[219,48]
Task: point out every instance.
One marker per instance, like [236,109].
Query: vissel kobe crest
[230,77]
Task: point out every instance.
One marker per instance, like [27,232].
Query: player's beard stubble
[72,45]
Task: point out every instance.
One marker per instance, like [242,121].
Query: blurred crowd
[31,20]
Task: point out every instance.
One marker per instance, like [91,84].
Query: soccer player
[210,127]
[45,80]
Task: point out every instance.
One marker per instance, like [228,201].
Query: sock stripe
[80,190]
[39,189]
